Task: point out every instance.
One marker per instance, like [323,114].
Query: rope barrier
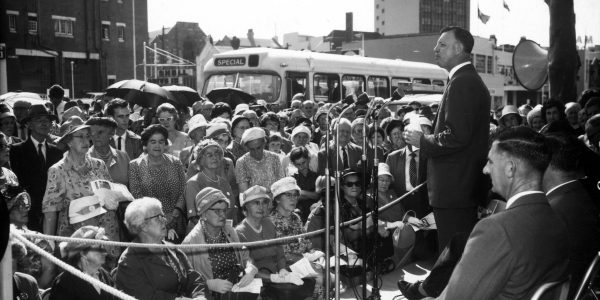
[107,288]
[223,245]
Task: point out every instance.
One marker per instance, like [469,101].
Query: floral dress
[289,226]
[67,183]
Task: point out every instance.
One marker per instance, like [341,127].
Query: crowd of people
[214,174]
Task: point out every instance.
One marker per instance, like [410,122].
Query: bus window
[438,82]
[353,84]
[326,87]
[261,86]
[378,86]
[397,80]
[296,83]
[421,81]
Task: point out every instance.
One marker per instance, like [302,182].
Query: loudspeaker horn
[530,64]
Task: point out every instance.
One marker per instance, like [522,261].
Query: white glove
[312,256]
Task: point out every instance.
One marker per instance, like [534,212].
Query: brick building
[185,40]
[43,37]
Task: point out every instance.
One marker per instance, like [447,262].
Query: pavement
[389,290]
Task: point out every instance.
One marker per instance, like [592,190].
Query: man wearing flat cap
[258,166]
[31,159]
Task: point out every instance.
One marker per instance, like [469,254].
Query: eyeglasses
[352,183]
[219,211]
[161,217]
[87,136]
[292,194]
[169,119]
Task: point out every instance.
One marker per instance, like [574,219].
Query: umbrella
[231,96]
[183,95]
[11,98]
[140,92]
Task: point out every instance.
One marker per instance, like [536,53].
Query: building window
[121,32]
[377,18]
[480,63]
[376,5]
[32,23]
[382,22]
[63,26]
[383,10]
[106,30]
[490,63]
[12,20]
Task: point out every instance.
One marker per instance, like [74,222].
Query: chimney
[349,29]
[250,35]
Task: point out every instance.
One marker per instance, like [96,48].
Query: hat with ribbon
[39,110]
[85,208]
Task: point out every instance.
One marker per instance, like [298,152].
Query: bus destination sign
[230,61]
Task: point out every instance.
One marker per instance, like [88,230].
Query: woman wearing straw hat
[155,273]
[269,259]
[87,258]
[69,179]
[221,266]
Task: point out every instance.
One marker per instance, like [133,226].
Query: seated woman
[305,178]
[269,259]
[89,260]
[154,273]
[220,266]
[209,160]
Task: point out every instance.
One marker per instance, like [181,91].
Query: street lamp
[72,80]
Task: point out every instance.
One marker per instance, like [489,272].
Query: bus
[276,75]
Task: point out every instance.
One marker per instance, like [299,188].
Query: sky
[268,18]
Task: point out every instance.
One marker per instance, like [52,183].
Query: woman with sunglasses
[168,117]
[69,179]
[87,259]
[222,267]
[155,273]
[160,175]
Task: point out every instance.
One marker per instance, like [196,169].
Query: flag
[483,17]
[505,5]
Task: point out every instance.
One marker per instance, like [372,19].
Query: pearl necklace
[210,179]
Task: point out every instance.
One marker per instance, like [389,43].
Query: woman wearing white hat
[8,126]
[69,179]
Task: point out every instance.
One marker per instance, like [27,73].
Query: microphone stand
[337,203]
[375,295]
[327,215]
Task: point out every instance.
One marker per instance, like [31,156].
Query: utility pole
[563,60]
[72,80]
[133,39]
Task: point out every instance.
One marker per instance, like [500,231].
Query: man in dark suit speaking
[457,148]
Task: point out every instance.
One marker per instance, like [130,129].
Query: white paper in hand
[253,287]
[303,268]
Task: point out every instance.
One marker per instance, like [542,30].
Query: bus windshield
[261,86]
